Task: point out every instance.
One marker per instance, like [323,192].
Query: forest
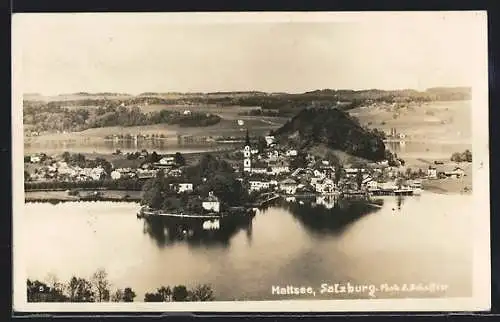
[55,118]
[334,128]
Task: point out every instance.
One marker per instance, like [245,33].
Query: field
[228,126]
[436,121]
[223,111]
[73,97]
[451,185]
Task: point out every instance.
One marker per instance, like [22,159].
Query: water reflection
[329,215]
[168,231]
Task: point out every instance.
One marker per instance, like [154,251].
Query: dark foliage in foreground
[97,289]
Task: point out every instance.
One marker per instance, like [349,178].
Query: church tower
[247,163]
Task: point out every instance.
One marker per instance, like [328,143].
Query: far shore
[63,196]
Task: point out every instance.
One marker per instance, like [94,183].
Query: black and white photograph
[326,161]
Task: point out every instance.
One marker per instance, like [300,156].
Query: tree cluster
[52,117]
[77,289]
[465,156]
[180,293]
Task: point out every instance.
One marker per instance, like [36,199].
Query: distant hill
[449,93]
[334,129]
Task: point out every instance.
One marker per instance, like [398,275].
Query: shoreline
[59,196]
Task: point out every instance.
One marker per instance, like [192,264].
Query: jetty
[146,212]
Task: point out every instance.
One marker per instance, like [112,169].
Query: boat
[403,191]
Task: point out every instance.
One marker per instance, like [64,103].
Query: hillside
[334,129]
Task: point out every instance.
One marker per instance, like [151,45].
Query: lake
[420,239]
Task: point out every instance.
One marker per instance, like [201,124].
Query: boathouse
[211,203]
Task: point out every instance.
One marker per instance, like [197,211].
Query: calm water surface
[411,240]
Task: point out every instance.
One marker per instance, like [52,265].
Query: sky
[135,53]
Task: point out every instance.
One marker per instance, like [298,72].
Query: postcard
[239,162]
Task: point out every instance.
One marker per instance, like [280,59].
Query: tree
[117,296]
[154,157]
[163,294]
[66,156]
[226,187]
[456,157]
[166,293]
[80,290]
[128,295]
[180,293]
[101,285]
[468,156]
[261,144]
[300,161]
[40,292]
[359,179]
[338,173]
[54,283]
[153,191]
[202,293]
[179,159]
[152,297]
[247,138]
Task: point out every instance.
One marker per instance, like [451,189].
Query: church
[247,155]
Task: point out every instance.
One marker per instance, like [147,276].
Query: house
[316,180]
[258,170]
[186,112]
[297,171]
[371,184]
[167,161]
[259,185]
[35,159]
[431,173]
[319,174]
[146,174]
[289,186]
[325,186]
[97,173]
[184,187]
[211,203]
[387,186]
[278,169]
[175,173]
[383,163]
[351,172]
[269,140]
[456,173]
[115,175]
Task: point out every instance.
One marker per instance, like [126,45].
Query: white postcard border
[481,273]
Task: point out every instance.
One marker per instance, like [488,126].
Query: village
[263,169]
